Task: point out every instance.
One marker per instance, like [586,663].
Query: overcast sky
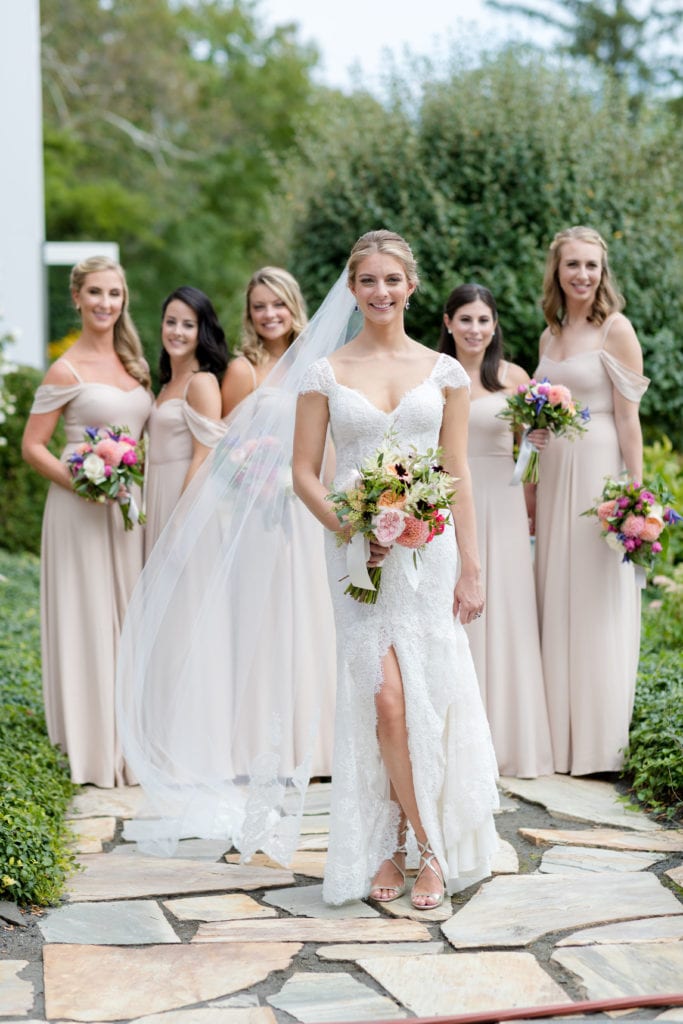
[349,32]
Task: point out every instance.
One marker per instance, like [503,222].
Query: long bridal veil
[229,624]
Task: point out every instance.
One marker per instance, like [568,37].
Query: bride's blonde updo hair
[607,298]
[126,339]
[388,243]
[287,289]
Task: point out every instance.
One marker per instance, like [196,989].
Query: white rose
[614,542]
[93,467]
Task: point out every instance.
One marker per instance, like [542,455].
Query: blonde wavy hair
[287,289]
[388,243]
[127,343]
[607,297]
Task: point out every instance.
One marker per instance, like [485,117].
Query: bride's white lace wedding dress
[454,766]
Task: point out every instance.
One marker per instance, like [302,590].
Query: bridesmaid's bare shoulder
[515,376]
[622,343]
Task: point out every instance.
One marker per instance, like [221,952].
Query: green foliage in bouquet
[35,788]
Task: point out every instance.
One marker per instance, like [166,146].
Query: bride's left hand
[377,553]
[468,599]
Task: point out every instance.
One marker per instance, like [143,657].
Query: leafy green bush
[660,459]
[654,759]
[35,788]
[22,495]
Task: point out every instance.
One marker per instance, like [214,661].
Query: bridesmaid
[185,421]
[504,641]
[274,315]
[89,564]
[588,600]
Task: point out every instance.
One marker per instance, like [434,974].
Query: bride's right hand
[377,553]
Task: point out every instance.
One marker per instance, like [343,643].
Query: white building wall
[22,217]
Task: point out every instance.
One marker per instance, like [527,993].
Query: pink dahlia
[606,510]
[415,533]
[633,526]
[111,451]
[558,394]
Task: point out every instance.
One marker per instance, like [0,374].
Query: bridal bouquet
[541,405]
[397,497]
[635,520]
[105,467]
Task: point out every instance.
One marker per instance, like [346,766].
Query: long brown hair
[607,297]
[490,366]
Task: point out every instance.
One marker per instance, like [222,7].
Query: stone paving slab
[649,929]
[304,862]
[563,860]
[16,994]
[109,877]
[85,982]
[306,929]
[402,907]
[212,1015]
[229,907]
[323,997]
[676,875]
[124,923]
[122,802]
[432,986]
[186,849]
[629,970]
[307,901]
[360,950]
[514,911]
[579,799]
[90,833]
[656,841]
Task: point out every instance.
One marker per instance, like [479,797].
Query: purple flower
[92,432]
[672,517]
[585,414]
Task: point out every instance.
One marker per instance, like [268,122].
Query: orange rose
[388,499]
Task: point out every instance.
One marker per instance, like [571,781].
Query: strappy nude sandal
[396,890]
[427,861]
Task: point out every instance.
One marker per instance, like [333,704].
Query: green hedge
[23,492]
[35,788]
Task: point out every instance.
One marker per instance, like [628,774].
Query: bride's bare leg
[392,734]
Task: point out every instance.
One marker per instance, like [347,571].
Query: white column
[22,210]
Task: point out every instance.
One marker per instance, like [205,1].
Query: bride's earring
[407,306]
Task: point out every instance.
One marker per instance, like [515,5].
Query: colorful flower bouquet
[537,406]
[634,519]
[397,497]
[104,468]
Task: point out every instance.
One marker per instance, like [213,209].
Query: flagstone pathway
[585,902]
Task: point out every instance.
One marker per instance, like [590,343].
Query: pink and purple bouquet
[105,467]
[397,497]
[537,406]
[635,519]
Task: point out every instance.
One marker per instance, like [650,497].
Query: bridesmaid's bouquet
[105,467]
[538,406]
[635,519]
[397,497]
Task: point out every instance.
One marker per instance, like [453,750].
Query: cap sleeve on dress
[628,383]
[318,377]
[207,431]
[448,373]
[49,397]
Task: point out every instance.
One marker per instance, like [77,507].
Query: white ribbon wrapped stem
[129,500]
[357,554]
[525,451]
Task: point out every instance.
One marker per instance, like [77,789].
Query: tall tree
[621,36]
[164,120]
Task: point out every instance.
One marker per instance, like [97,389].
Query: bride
[412,745]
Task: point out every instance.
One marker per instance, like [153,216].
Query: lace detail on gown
[453,762]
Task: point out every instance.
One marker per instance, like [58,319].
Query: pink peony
[125,439]
[84,448]
[606,510]
[656,547]
[107,471]
[415,533]
[129,457]
[543,389]
[388,525]
[558,394]
[632,526]
[110,451]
